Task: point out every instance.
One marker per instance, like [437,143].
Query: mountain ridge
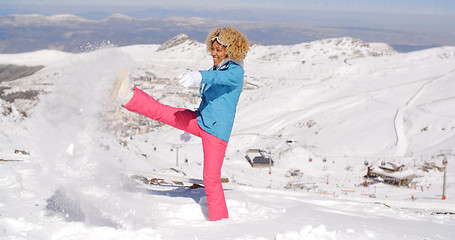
[31,32]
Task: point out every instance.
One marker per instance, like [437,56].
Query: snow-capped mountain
[31,20]
[324,111]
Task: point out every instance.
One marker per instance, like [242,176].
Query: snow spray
[75,149]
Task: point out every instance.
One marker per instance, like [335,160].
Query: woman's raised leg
[180,118]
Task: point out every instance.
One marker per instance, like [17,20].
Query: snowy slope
[340,102]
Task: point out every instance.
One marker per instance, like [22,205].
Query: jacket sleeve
[232,76]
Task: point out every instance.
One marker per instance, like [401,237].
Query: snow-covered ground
[322,110]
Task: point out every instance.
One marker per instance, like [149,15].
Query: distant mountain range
[25,33]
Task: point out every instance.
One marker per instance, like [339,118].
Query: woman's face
[218,53]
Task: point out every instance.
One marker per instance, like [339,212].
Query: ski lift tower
[176,147]
[445,154]
[444,162]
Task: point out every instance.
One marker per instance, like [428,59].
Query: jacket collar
[223,64]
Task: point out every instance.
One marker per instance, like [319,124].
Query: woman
[220,89]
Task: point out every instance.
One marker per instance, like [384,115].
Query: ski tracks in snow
[400,119]
[338,104]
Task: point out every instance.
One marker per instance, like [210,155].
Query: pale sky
[430,20]
[394,6]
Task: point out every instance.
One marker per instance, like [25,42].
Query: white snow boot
[123,89]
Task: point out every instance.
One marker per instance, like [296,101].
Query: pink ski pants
[213,147]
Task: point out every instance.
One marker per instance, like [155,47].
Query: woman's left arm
[232,76]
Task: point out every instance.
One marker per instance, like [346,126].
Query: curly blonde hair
[236,43]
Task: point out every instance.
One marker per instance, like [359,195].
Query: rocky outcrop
[175,41]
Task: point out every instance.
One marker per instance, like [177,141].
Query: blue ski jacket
[220,92]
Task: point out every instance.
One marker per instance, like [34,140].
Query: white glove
[188,79]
